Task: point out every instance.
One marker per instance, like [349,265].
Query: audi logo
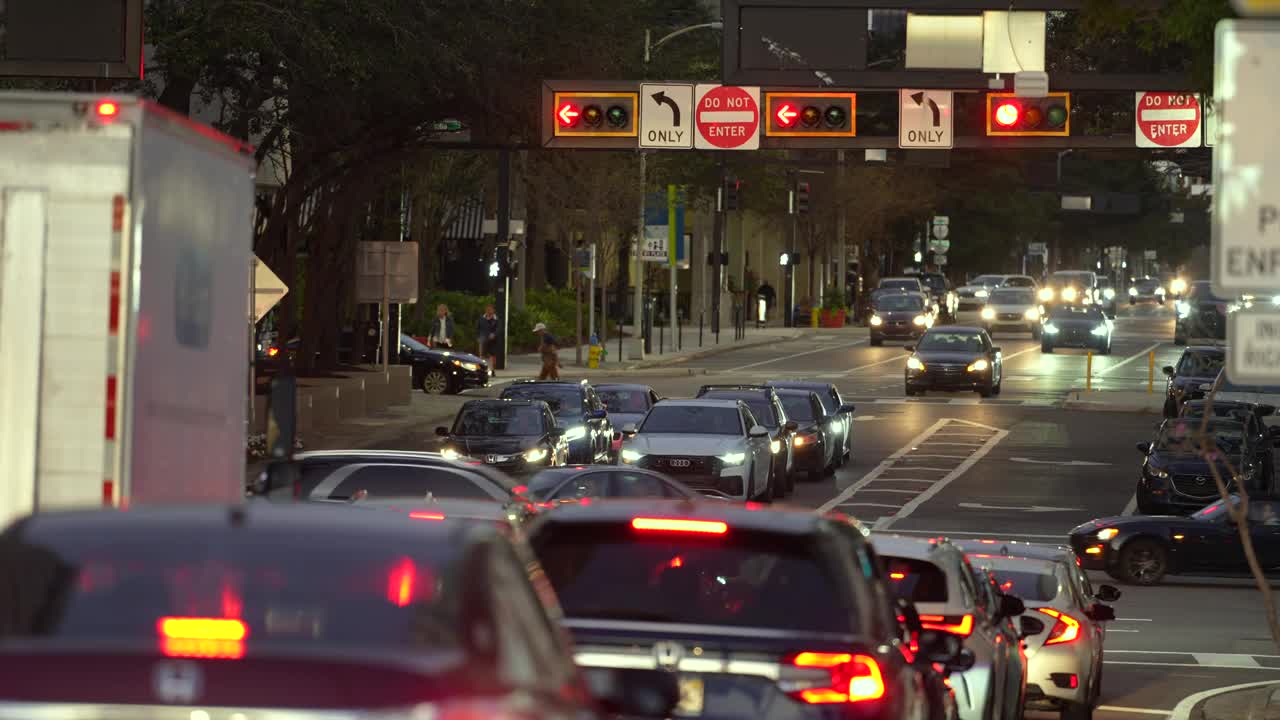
[679,463]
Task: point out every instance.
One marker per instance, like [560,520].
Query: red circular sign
[1167,119]
[727,117]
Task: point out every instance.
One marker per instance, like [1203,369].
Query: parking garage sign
[1253,347]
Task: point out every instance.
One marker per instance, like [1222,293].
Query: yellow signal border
[635,119]
[1064,132]
[853,114]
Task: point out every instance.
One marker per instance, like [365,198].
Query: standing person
[441,328]
[487,329]
[766,293]
[550,353]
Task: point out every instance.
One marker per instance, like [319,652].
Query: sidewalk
[1256,701]
[1118,400]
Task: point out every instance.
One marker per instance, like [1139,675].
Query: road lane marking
[1131,358]
[1140,711]
[942,457]
[1004,357]
[1182,711]
[824,348]
[919,480]
[978,534]
[924,497]
[1134,620]
[1111,630]
[865,504]
[1131,505]
[890,490]
[878,470]
[914,468]
[1229,660]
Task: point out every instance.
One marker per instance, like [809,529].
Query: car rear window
[798,407]
[1027,584]
[741,579]
[916,580]
[393,481]
[761,407]
[564,401]
[625,401]
[273,586]
[1201,364]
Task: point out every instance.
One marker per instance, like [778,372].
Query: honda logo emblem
[177,683]
[491,459]
[679,463]
[668,654]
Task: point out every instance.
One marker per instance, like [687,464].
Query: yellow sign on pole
[1256,7]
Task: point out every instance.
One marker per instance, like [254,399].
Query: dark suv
[724,597]
[768,411]
[579,413]
[1198,366]
[1202,315]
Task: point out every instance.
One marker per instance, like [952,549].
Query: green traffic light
[617,116]
[835,116]
[1057,115]
[592,115]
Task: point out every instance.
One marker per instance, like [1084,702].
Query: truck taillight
[854,678]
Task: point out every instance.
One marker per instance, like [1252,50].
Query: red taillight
[400,583]
[426,515]
[676,562]
[897,576]
[217,638]
[1066,628]
[854,678]
[705,527]
[520,489]
[273,351]
[107,109]
[955,624]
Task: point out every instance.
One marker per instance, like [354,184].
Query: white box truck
[125,245]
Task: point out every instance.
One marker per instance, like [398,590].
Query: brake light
[273,351]
[107,109]
[799,441]
[426,515]
[194,637]
[400,583]
[898,576]
[854,678]
[955,624]
[705,527]
[1065,630]
[520,489]
[676,562]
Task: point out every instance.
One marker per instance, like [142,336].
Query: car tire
[986,392]
[877,342]
[909,392]
[1076,711]
[435,382]
[1143,561]
[1046,349]
[998,387]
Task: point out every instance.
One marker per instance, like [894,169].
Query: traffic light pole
[637,346]
[504,229]
[717,255]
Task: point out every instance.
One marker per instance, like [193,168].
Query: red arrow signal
[568,115]
[786,115]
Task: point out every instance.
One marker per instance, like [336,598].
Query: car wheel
[998,387]
[1046,348]
[435,382]
[908,391]
[876,342]
[1143,562]
[987,391]
[1076,711]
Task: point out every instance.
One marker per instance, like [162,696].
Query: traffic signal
[802,197]
[810,114]
[595,114]
[731,194]
[1011,116]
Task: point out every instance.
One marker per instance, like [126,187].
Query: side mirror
[1168,370]
[1143,447]
[1010,606]
[1028,626]
[1266,410]
[964,661]
[791,426]
[1107,593]
[442,431]
[630,428]
[940,647]
[758,431]
[848,408]
[630,692]
[1101,613]
[597,414]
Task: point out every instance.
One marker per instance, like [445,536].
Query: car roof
[957,329]
[1012,548]
[748,516]
[527,382]
[797,384]
[701,402]
[503,402]
[354,454]
[908,546]
[622,386]
[1206,349]
[796,391]
[1000,562]
[900,277]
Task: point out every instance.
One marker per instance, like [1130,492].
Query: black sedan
[1143,549]
[954,358]
[515,436]
[816,445]
[899,316]
[557,486]
[1201,315]
[1177,477]
[288,611]
[835,406]
[578,411]
[1076,326]
[1197,366]
[437,371]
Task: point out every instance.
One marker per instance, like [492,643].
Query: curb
[1076,400]
[717,350]
[1191,706]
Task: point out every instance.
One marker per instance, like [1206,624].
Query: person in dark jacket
[441,335]
[487,329]
[550,352]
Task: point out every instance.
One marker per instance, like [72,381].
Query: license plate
[691,697]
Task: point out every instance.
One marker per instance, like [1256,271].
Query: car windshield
[1147,285]
[666,419]
[1018,282]
[1073,279]
[1012,297]
[565,402]
[1203,292]
[1075,312]
[625,401]
[963,342]
[1200,364]
[1184,434]
[412,344]
[987,280]
[493,419]
[745,579]
[1026,584]
[797,406]
[899,285]
[917,581]
[273,588]
[761,406]
[899,303]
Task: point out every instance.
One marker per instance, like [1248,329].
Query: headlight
[1184,309]
[535,455]
[1109,293]
[913,363]
[978,365]
[988,313]
[450,454]
[1032,314]
[734,458]
[920,320]
[465,365]
[1051,328]
[1156,472]
[1178,286]
[577,432]
[775,447]
[982,294]
[1107,533]
[1069,294]
[630,456]
[1045,294]
[1133,292]
[1159,291]
[1100,331]
[876,321]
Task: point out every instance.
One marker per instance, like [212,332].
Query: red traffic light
[1007,114]
[787,115]
[568,115]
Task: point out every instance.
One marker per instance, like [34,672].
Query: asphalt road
[1019,467]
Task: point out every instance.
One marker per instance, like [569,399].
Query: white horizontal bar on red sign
[726,116]
[1167,115]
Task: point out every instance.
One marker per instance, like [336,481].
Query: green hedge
[555,307]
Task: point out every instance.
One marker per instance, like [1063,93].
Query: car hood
[1020,308]
[446,355]
[898,315]
[497,445]
[942,356]
[1180,463]
[684,444]
[1074,322]
[972,288]
[1134,522]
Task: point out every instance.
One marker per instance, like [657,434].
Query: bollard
[813,317]
[679,343]
[619,338]
[1088,372]
[701,317]
[662,334]
[1151,372]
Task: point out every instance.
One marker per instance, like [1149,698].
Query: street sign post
[925,119]
[1253,347]
[387,272]
[666,116]
[726,117]
[1167,119]
[268,289]
[1246,207]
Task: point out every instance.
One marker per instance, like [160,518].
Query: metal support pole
[672,246]
[504,233]
[638,269]
[717,251]
[591,294]
[662,334]
[253,342]
[386,311]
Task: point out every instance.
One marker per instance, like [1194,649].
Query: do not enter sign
[1167,119]
[726,117]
